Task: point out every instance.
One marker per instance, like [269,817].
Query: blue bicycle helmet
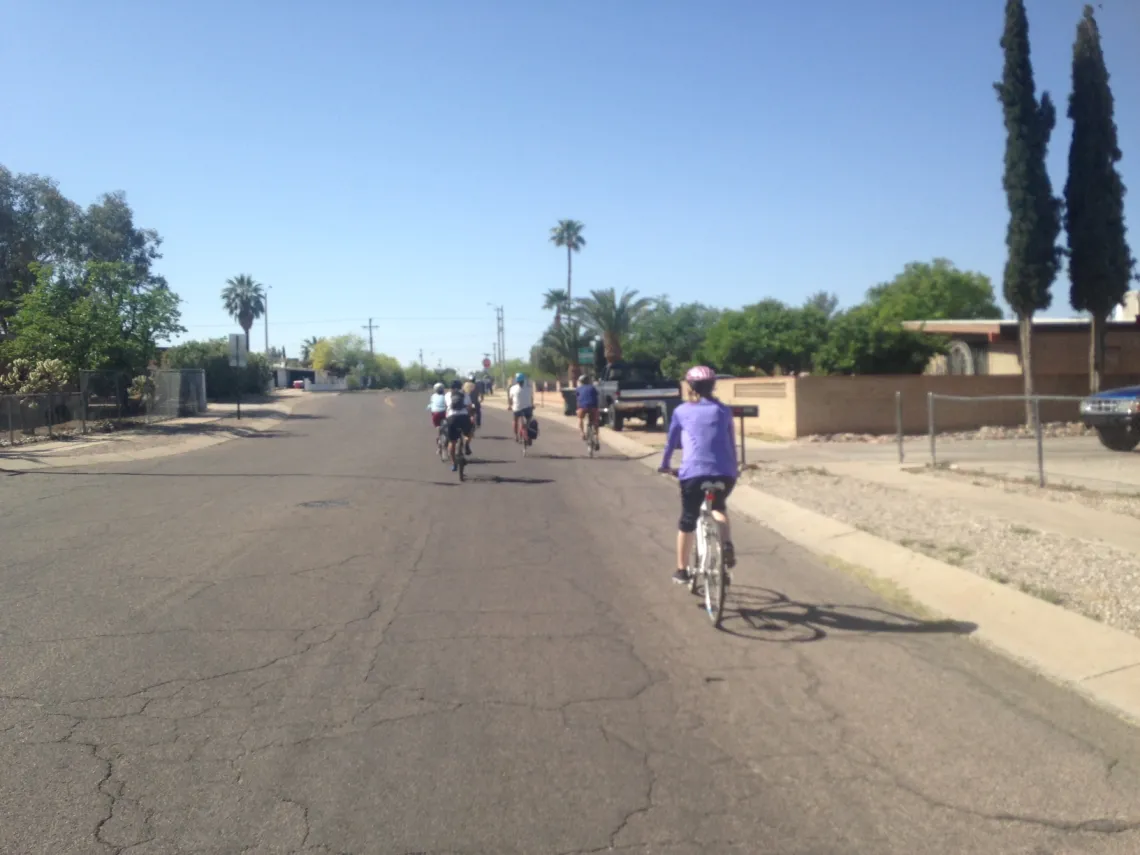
[520,377]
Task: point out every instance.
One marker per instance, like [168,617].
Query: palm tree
[568,233]
[244,299]
[557,299]
[307,349]
[613,317]
[564,342]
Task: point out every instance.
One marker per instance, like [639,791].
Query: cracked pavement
[318,643]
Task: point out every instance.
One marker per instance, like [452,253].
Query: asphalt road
[317,642]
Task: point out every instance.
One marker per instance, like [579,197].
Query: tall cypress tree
[1100,262]
[1034,213]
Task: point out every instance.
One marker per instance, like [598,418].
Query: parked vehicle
[1115,416]
[636,390]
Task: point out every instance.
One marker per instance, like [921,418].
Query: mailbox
[742,412]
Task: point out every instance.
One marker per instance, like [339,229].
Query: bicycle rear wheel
[590,440]
[695,565]
[713,569]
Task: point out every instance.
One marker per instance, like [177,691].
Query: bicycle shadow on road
[503,479]
[762,614]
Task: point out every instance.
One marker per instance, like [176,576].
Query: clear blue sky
[405,160]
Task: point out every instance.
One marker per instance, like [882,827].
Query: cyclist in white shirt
[459,424]
[520,401]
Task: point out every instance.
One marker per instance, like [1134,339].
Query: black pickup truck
[636,390]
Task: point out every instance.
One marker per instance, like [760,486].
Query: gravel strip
[1049,430]
[1117,503]
[1092,578]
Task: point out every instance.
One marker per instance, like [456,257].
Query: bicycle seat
[713,486]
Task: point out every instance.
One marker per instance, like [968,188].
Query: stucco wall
[800,406]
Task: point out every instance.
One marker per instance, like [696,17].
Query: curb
[1098,661]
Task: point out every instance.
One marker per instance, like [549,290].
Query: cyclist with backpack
[471,387]
[520,401]
[459,424]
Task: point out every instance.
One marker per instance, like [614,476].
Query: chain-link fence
[1013,446]
[105,400]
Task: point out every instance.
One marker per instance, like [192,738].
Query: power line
[359,320]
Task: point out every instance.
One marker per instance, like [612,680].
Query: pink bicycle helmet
[699,374]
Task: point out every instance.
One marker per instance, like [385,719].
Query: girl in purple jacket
[702,429]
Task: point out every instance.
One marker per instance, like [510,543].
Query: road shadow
[762,614]
[477,461]
[58,472]
[481,438]
[503,479]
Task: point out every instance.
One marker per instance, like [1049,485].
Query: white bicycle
[707,572]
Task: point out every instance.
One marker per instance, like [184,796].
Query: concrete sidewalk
[160,439]
[1100,662]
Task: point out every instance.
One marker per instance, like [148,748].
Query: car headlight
[1110,406]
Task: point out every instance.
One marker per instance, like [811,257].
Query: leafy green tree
[383,370]
[342,354]
[107,232]
[1034,212]
[38,226]
[557,299]
[307,350]
[213,357]
[767,337]
[935,291]
[671,335]
[1100,261]
[106,323]
[823,301]
[244,300]
[862,341]
[612,317]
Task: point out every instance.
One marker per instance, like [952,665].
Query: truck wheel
[617,421]
[1119,438]
[651,421]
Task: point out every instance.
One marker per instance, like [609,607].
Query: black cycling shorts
[692,497]
[457,426]
[526,413]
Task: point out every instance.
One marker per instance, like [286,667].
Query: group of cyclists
[701,428]
[456,411]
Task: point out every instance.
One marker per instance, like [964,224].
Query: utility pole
[422,378]
[268,288]
[371,326]
[501,338]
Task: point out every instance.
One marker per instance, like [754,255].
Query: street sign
[238,353]
[743,412]
[585,356]
[486,363]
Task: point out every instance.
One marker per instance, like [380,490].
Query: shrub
[222,381]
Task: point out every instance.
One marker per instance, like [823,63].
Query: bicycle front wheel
[713,570]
